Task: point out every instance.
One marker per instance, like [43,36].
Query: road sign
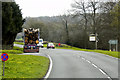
[113,42]
[92,38]
[4,56]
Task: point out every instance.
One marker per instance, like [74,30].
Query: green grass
[45,45]
[16,50]
[19,39]
[110,53]
[24,66]
[21,43]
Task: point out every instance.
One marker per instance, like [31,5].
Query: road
[81,64]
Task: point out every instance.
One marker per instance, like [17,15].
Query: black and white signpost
[93,38]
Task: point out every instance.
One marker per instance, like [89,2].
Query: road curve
[81,64]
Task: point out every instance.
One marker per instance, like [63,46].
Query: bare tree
[94,6]
[64,19]
[81,9]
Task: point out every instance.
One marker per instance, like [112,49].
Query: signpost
[94,38]
[4,57]
[114,42]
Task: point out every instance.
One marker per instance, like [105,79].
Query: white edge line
[50,67]
[103,72]
[98,69]
[94,65]
[83,58]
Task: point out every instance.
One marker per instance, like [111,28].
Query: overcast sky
[36,8]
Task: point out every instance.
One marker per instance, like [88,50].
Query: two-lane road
[81,64]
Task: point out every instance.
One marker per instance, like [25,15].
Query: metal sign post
[3,67]
[110,47]
[93,38]
[114,42]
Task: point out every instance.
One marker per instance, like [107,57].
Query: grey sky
[36,8]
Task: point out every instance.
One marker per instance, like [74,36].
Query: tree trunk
[8,41]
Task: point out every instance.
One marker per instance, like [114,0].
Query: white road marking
[83,58]
[97,68]
[50,68]
[94,65]
[102,71]
[88,61]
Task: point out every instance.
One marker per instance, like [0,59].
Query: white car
[41,40]
[50,45]
[40,43]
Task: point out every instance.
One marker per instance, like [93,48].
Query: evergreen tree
[12,22]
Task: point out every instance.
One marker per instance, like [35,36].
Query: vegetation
[110,53]
[16,50]
[24,66]
[116,19]
[21,43]
[75,28]
[64,46]
[11,23]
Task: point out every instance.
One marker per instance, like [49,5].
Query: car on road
[41,41]
[40,44]
[50,45]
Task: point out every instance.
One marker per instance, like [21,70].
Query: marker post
[3,67]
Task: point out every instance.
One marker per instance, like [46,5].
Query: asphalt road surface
[81,64]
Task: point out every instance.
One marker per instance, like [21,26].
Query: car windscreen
[50,44]
[40,40]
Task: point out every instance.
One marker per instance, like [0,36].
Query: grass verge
[64,46]
[110,53]
[24,66]
[21,43]
[16,50]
